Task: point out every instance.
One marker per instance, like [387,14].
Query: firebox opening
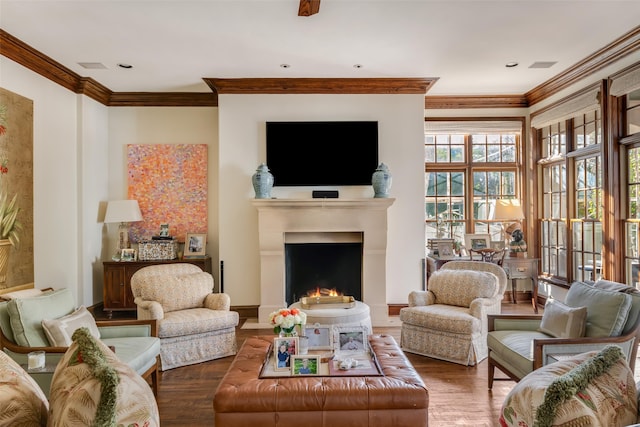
[324,267]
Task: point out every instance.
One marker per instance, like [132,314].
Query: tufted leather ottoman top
[397,398]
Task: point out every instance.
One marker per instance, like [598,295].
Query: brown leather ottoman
[399,398]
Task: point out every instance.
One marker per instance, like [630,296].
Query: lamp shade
[122,211]
[508,209]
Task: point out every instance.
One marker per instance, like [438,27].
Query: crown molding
[475,101]
[619,48]
[163,99]
[23,54]
[321,85]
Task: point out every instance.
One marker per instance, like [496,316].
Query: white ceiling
[173,44]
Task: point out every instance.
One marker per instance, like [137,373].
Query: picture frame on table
[477,241]
[164,230]
[445,250]
[305,364]
[320,337]
[350,339]
[195,245]
[283,349]
[128,255]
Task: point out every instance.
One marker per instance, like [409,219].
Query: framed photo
[195,244]
[477,241]
[164,230]
[308,364]
[283,350]
[497,245]
[350,339]
[128,255]
[320,337]
[445,250]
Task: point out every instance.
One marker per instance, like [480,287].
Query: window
[625,85]
[468,166]
[570,140]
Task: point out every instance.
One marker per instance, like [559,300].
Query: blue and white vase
[262,182]
[381,181]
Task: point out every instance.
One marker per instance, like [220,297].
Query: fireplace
[328,263]
[283,222]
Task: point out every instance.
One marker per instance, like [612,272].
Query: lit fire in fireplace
[324,292]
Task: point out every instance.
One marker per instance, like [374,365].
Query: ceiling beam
[308,7]
[321,85]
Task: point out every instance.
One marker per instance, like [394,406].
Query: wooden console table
[117,295]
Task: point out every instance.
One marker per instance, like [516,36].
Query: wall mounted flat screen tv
[322,153]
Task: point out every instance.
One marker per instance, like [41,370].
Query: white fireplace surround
[314,220]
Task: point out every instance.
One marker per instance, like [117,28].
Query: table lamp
[124,212]
[508,210]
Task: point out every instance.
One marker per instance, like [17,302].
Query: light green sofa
[135,341]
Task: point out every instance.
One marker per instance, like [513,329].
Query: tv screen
[322,153]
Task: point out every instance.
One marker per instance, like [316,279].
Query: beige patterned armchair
[449,320]
[194,324]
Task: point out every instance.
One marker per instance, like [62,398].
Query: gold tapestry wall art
[16,191]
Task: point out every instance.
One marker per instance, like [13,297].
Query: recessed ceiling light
[125,66]
[358,66]
[285,66]
[511,64]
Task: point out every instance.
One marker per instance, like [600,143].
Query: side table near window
[522,268]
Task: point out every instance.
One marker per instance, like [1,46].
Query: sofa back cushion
[607,311]
[460,287]
[26,315]
[174,291]
[634,311]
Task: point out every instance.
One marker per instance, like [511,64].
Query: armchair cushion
[607,310]
[26,314]
[593,388]
[460,287]
[179,292]
[561,321]
[93,387]
[22,402]
[59,331]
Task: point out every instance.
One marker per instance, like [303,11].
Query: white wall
[57,224]
[242,148]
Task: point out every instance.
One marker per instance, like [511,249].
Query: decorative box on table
[158,250]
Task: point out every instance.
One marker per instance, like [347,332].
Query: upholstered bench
[398,398]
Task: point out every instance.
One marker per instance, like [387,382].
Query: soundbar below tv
[322,153]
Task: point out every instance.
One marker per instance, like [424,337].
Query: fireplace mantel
[276,217]
[381,203]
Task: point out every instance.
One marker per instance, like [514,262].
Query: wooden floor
[458,395]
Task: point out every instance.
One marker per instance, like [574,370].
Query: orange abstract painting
[170,184]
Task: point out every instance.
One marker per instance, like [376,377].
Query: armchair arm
[218,302]
[524,322]
[148,310]
[421,298]
[127,328]
[543,348]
